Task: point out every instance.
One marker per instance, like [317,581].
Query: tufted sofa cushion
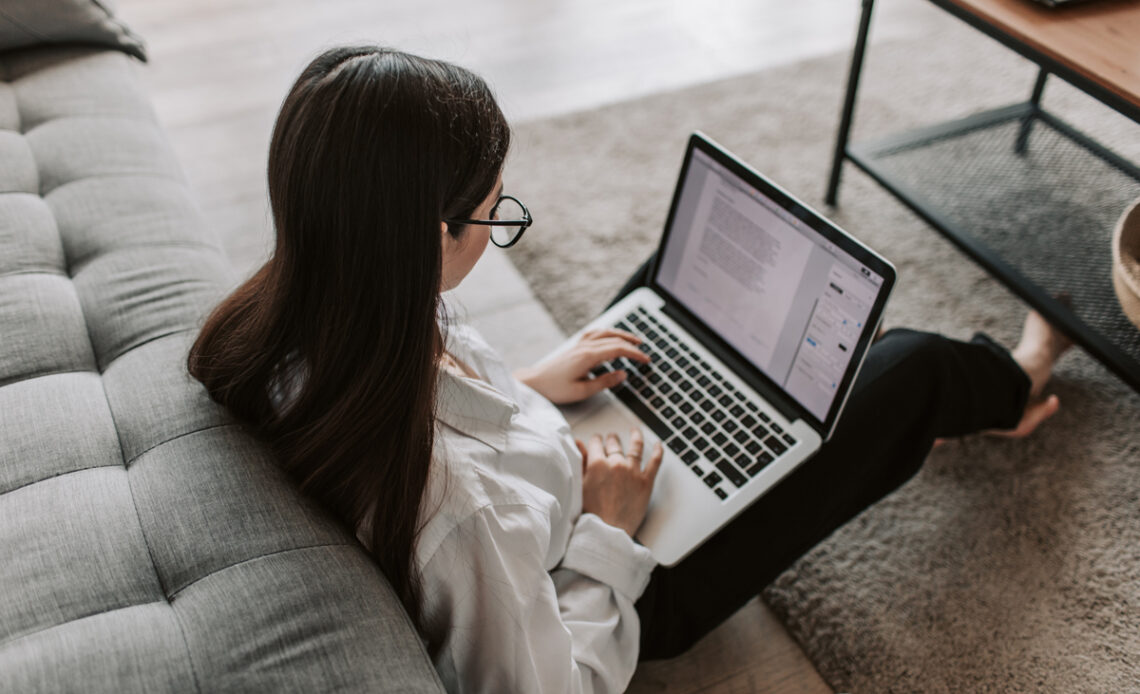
[147,543]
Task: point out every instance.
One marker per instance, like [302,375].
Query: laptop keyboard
[700,416]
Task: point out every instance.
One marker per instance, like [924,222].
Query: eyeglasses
[509,219]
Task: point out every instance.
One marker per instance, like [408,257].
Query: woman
[510,543]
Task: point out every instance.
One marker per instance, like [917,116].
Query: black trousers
[914,387]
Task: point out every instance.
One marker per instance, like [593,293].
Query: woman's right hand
[616,486]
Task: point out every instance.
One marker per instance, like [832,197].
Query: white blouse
[524,591]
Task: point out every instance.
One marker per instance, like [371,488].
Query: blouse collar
[474,408]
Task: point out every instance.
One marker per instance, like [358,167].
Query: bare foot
[1040,346]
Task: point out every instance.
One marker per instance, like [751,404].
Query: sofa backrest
[147,543]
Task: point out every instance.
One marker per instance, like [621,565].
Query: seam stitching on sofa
[133,118]
[133,460]
[65,473]
[29,634]
[153,338]
[274,553]
[150,552]
[30,271]
[112,174]
[38,374]
[138,516]
[104,250]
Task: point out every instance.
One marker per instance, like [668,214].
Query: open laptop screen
[779,292]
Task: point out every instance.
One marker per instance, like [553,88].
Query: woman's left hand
[566,377]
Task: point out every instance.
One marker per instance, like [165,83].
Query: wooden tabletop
[1099,39]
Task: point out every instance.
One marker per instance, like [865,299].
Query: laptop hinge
[746,371]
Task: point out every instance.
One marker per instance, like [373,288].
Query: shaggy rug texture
[1004,565]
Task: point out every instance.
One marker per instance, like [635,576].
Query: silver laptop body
[757,319]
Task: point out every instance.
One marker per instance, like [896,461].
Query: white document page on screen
[742,265]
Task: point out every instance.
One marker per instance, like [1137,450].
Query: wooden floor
[219,69]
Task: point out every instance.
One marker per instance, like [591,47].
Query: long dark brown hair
[329,351]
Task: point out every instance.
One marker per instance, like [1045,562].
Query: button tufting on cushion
[147,542]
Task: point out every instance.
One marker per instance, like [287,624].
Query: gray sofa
[147,543]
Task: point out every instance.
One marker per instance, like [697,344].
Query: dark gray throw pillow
[30,22]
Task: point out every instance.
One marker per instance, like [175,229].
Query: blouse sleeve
[507,625]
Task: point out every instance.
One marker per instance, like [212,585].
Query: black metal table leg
[1027,122]
[849,102]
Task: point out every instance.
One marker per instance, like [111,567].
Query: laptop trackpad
[603,415]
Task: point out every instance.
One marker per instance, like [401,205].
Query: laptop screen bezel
[816,222]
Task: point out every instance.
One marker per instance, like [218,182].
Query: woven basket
[1126,262]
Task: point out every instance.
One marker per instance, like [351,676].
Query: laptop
[757,317]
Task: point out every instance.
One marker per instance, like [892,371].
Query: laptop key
[708,428]
[777,428]
[713,479]
[740,436]
[715,390]
[729,470]
[698,471]
[677,445]
[721,493]
[678,422]
[760,464]
[764,418]
[657,402]
[753,447]
[713,455]
[730,426]
[748,421]
[710,406]
[690,457]
[685,386]
[788,439]
[646,415]
[697,417]
[718,415]
[775,445]
[736,411]
[760,431]
[689,433]
[725,400]
[731,450]
[675,397]
[702,444]
[686,407]
[719,438]
[703,381]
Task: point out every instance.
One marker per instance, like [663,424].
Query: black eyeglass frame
[523,224]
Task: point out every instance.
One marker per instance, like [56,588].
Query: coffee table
[1029,197]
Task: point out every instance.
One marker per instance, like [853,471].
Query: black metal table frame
[1053,309]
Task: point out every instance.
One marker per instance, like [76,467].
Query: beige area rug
[1003,566]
